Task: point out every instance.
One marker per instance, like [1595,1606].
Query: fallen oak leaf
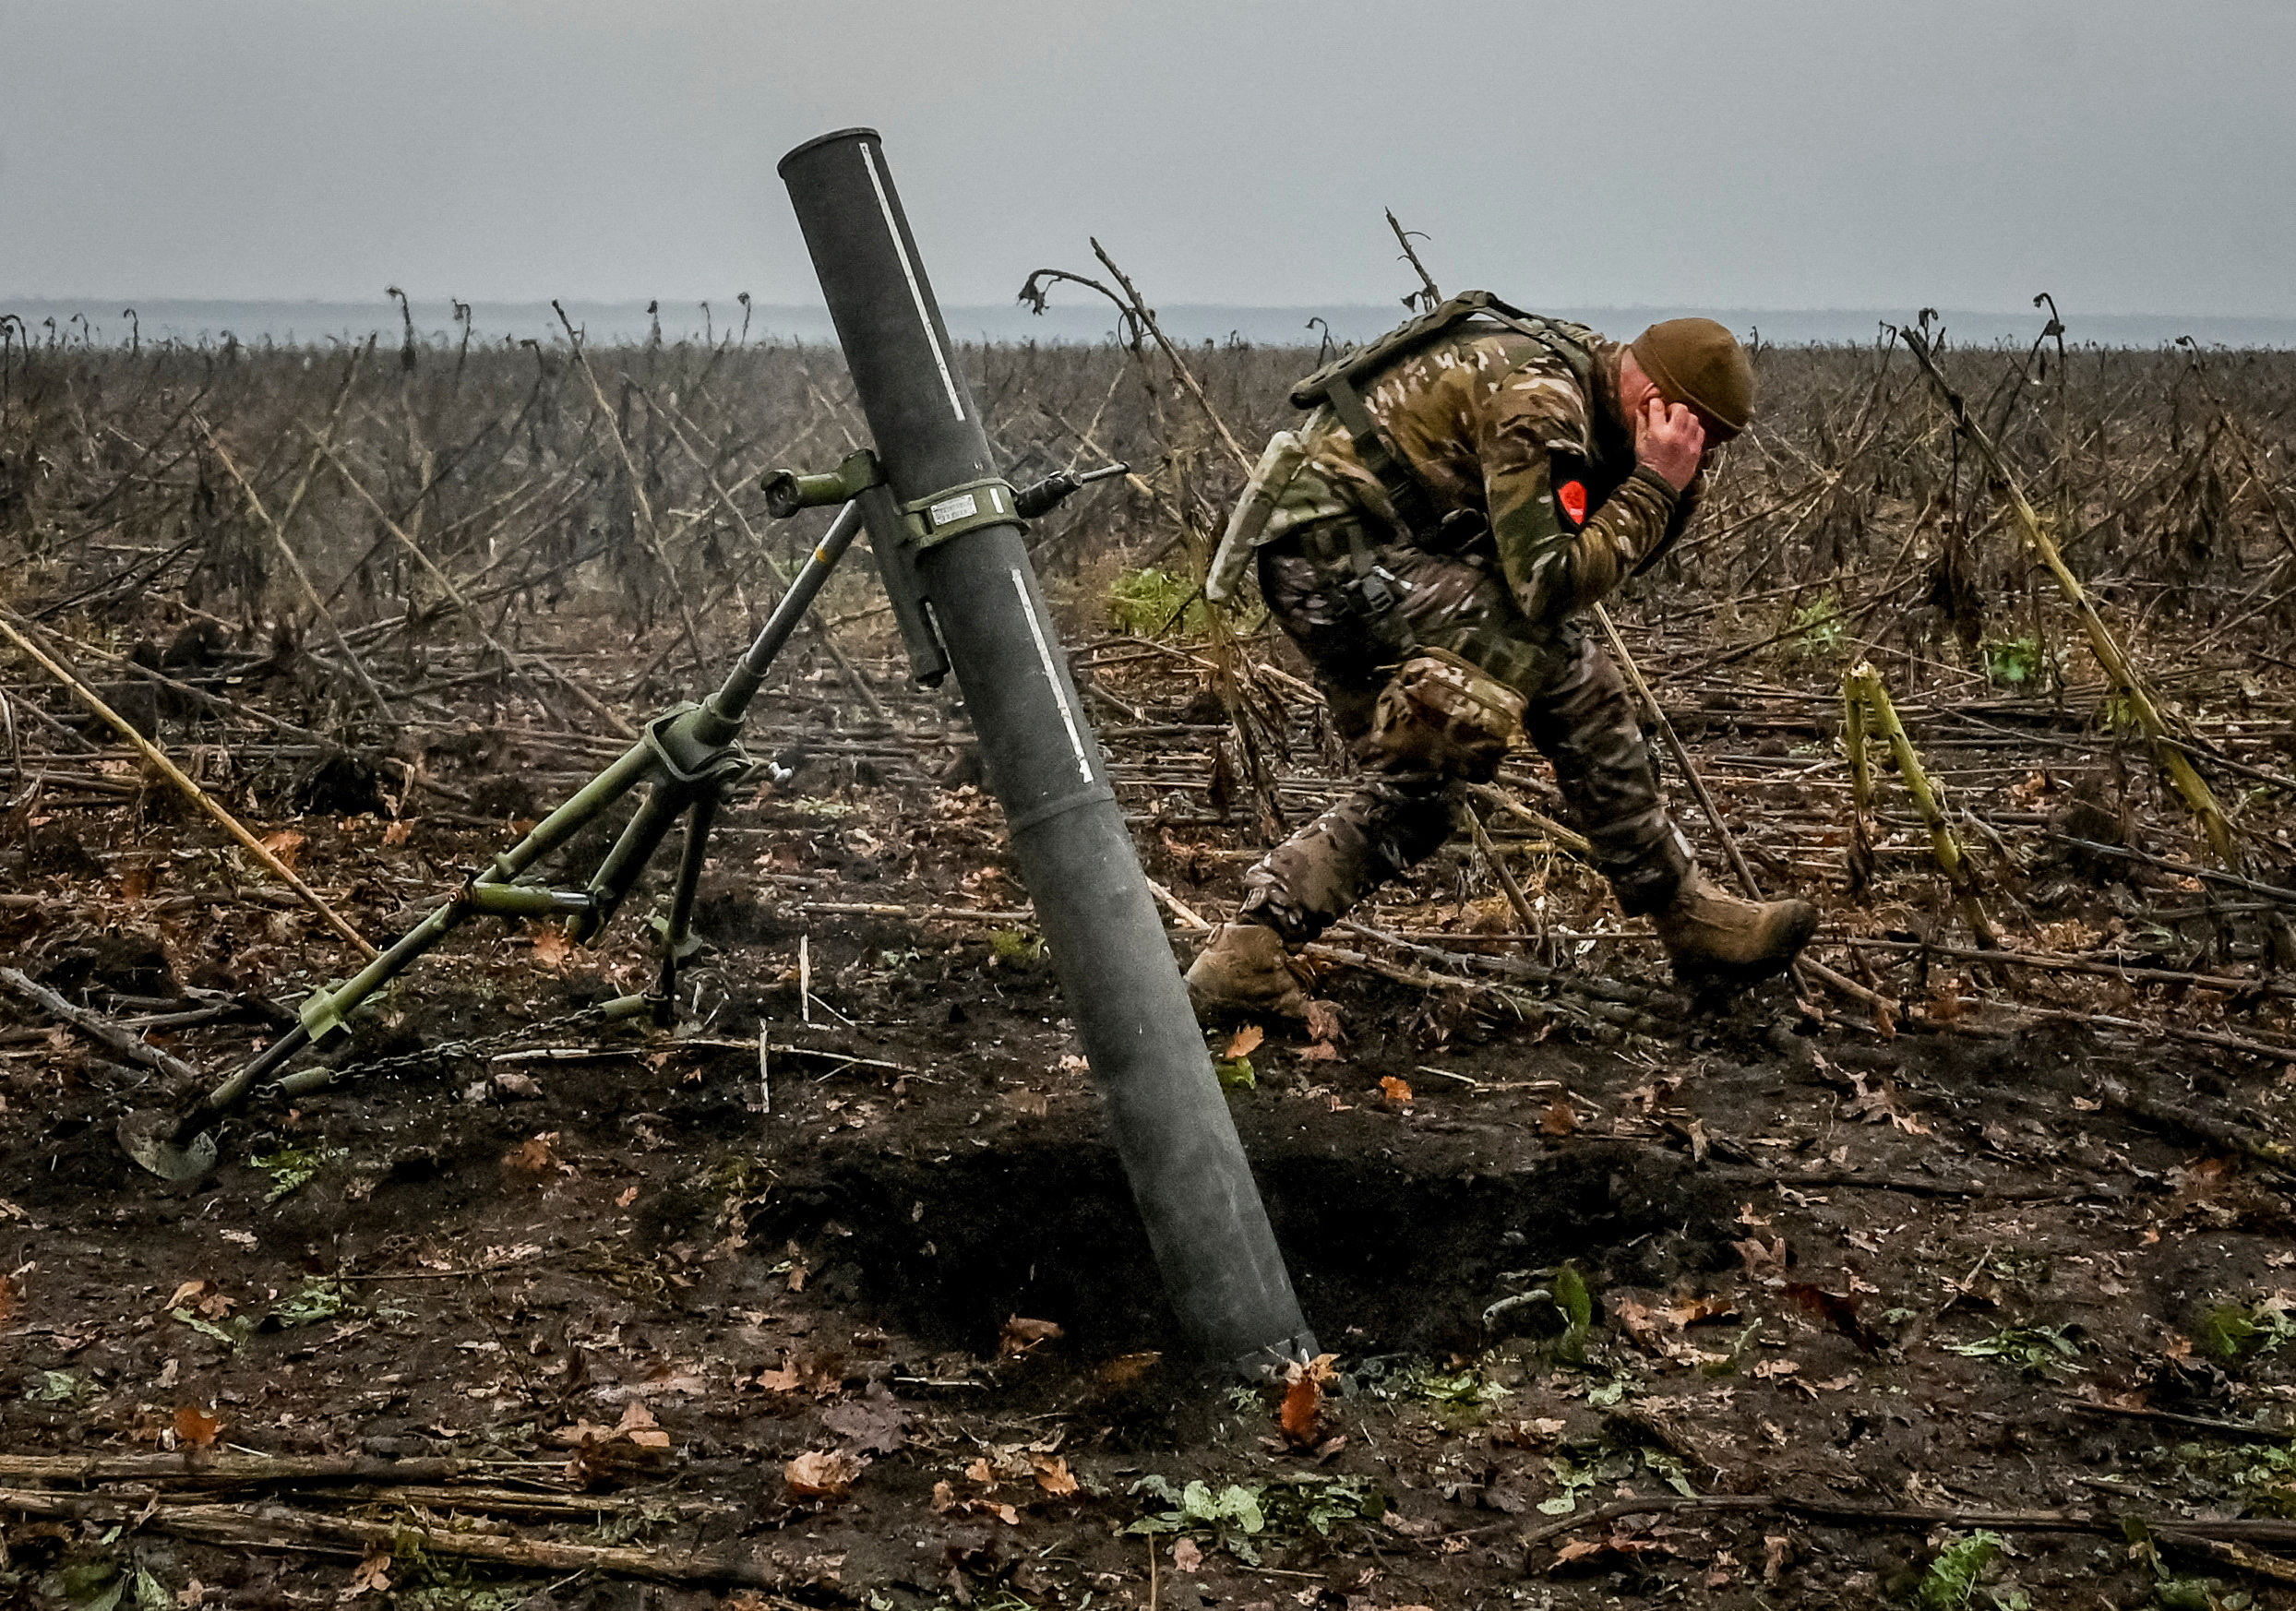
[1245,1042]
[1053,1476]
[1837,1311]
[195,1426]
[1394,1090]
[1021,1334]
[372,1576]
[638,1425]
[875,1425]
[822,1473]
[1301,1416]
[1760,1258]
[1559,1118]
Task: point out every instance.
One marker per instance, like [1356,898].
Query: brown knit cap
[1700,362]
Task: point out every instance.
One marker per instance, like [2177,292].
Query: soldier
[1463,490]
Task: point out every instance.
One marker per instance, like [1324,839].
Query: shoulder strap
[1339,383]
[1414,509]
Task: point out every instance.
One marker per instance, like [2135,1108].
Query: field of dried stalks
[1956,1268]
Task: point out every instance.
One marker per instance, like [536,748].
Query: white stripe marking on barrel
[908,270]
[1052,675]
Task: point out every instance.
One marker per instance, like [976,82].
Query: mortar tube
[1205,1221]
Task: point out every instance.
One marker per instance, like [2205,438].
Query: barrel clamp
[967,507]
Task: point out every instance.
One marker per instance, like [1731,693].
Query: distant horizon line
[315,322]
[640,302]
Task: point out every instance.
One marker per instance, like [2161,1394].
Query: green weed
[1146,602]
[313,1302]
[1016,948]
[2236,1331]
[2013,660]
[1951,1583]
[1237,1074]
[293,1168]
[1240,1517]
[2033,1351]
[53,1386]
[1816,631]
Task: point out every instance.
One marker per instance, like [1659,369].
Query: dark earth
[1917,1318]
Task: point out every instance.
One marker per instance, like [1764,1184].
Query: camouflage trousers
[1401,812]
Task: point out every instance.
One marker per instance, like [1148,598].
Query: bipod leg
[689,759]
[181,1146]
[677,937]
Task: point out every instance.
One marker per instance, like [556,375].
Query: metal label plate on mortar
[962,507]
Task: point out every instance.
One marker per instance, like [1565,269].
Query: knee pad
[1441,713]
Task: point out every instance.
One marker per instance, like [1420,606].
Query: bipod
[688,761]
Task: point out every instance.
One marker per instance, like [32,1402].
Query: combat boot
[1243,970]
[1712,934]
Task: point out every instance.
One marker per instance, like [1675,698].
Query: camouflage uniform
[1541,479]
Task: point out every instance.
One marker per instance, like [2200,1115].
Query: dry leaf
[372,1576]
[1245,1042]
[1881,1103]
[822,1473]
[1128,1369]
[552,947]
[398,833]
[1558,1119]
[286,844]
[1021,1335]
[1302,1413]
[1840,1312]
[534,1161]
[1318,1052]
[1761,1259]
[1186,1555]
[1053,1476]
[195,1426]
[1324,1027]
[1641,1323]
[638,1424]
[875,1425]
[1396,1090]
[628,1198]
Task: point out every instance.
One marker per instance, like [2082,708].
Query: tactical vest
[1339,383]
[1340,551]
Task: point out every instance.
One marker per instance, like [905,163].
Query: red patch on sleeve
[1572,494]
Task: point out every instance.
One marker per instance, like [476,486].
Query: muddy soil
[872,1311]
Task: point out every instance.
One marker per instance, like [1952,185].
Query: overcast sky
[2130,157]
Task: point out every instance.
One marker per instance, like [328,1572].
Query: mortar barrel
[1167,1113]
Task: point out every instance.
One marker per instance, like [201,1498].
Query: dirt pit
[1390,1248]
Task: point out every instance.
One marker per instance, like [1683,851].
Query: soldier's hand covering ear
[1669,438]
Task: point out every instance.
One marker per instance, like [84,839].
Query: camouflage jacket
[1496,425]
